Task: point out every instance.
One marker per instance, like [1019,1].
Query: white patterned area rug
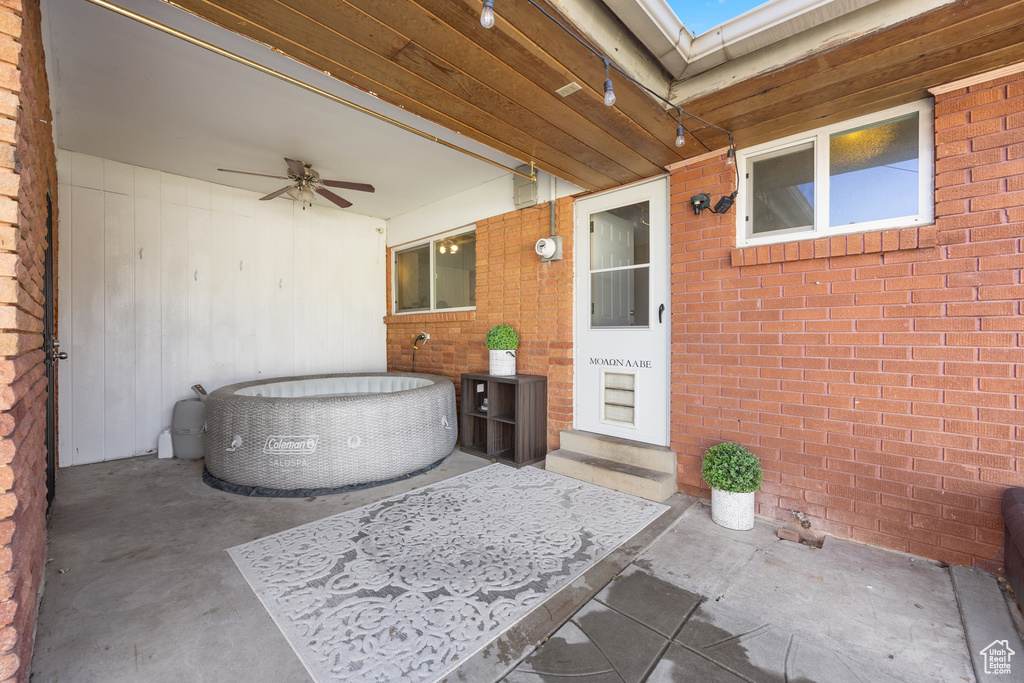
[411,586]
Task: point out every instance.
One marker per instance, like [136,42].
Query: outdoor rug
[411,586]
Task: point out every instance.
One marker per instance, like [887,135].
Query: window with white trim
[437,275]
[869,173]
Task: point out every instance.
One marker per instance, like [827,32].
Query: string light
[487,21]
[487,14]
[609,91]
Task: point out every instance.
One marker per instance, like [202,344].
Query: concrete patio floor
[139,588]
[708,604]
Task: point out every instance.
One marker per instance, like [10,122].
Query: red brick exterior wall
[27,169]
[880,378]
[513,287]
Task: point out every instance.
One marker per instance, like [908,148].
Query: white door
[622,301]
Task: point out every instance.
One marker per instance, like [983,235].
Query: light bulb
[442,249]
[730,158]
[487,14]
[609,93]
[455,247]
[680,136]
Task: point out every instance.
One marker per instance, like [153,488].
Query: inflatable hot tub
[306,436]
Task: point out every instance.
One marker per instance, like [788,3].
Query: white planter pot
[732,510]
[503,362]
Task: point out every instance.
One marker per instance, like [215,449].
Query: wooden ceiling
[497,86]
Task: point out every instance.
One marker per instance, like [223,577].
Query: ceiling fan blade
[327,194]
[296,168]
[277,193]
[361,187]
[262,175]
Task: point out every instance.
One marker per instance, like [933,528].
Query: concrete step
[638,481]
[621,450]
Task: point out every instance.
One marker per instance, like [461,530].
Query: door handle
[56,355]
[661,309]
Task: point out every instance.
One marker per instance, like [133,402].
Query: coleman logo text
[290,445]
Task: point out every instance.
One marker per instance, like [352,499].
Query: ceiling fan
[306,181]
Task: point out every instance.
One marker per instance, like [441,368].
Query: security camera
[549,248]
[700,202]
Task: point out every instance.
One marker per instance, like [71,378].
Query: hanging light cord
[680,112]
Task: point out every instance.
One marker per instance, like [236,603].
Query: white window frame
[409,246]
[820,140]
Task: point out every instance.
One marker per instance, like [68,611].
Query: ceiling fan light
[293,193]
[307,195]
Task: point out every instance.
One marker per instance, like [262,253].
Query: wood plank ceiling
[497,86]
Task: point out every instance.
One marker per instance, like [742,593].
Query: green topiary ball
[502,338]
[731,467]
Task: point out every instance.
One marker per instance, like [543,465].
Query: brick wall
[880,377]
[27,168]
[513,287]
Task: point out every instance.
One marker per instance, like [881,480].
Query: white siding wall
[165,281]
[484,201]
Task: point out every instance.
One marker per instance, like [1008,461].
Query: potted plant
[503,341]
[733,473]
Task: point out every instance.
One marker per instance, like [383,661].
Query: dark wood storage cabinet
[505,418]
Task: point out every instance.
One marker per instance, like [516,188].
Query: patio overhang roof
[497,86]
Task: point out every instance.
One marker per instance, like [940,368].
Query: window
[437,275]
[871,173]
[620,265]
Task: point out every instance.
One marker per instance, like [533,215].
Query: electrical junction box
[524,190]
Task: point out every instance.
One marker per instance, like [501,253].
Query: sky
[702,15]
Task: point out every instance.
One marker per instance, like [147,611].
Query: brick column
[27,172]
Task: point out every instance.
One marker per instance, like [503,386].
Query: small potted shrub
[503,341]
[733,473]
